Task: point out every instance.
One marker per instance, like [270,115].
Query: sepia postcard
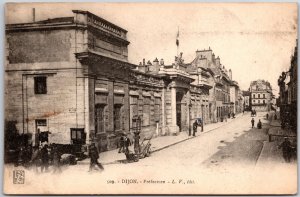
[150,98]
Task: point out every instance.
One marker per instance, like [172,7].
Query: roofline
[98,17]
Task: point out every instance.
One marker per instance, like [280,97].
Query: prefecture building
[69,80]
[261,95]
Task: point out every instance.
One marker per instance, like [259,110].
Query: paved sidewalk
[270,153]
[158,143]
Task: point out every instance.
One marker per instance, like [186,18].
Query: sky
[254,40]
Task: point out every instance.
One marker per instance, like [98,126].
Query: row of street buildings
[69,80]
[287,100]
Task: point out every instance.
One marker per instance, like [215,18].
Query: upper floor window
[40,85]
[263,95]
[253,95]
[258,95]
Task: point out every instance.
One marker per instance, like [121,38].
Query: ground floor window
[157,109]
[117,117]
[133,108]
[99,118]
[78,136]
[146,111]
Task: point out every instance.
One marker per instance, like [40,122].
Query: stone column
[163,112]
[86,108]
[174,128]
[188,101]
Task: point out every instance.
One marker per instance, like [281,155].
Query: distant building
[247,99]
[261,95]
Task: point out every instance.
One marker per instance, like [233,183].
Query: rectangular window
[133,108]
[263,95]
[78,136]
[41,122]
[146,111]
[157,109]
[264,101]
[117,117]
[258,101]
[40,85]
[258,95]
[253,95]
[99,118]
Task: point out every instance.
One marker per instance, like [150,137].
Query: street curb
[262,150]
[164,147]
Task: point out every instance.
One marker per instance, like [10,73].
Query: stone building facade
[208,72]
[261,95]
[69,78]
[287,83]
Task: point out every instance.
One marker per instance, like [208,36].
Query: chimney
[33,15]
[162,62]
[144,62]
[230,74]
[218,62]
[155,65]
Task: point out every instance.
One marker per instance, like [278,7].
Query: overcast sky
[255,40]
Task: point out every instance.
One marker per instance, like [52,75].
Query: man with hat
[94,155]
[286,149]
[122,143]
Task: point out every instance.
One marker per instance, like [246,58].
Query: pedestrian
[94,155]
[286,149]
[195,125]
[45,158]
[259,125]
[252,122]
[275,117]
[56,160]
[137,148]
[127,143]
[122,143]
[267,116]
[36,158]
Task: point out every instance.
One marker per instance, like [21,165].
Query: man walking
[127,143]
[122,143]
[137,148]
[94,155]
[286,149]
[45,158]
[252,122]
[195,125]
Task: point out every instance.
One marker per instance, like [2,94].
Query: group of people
[259,124]
[125,142]
[40,157]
